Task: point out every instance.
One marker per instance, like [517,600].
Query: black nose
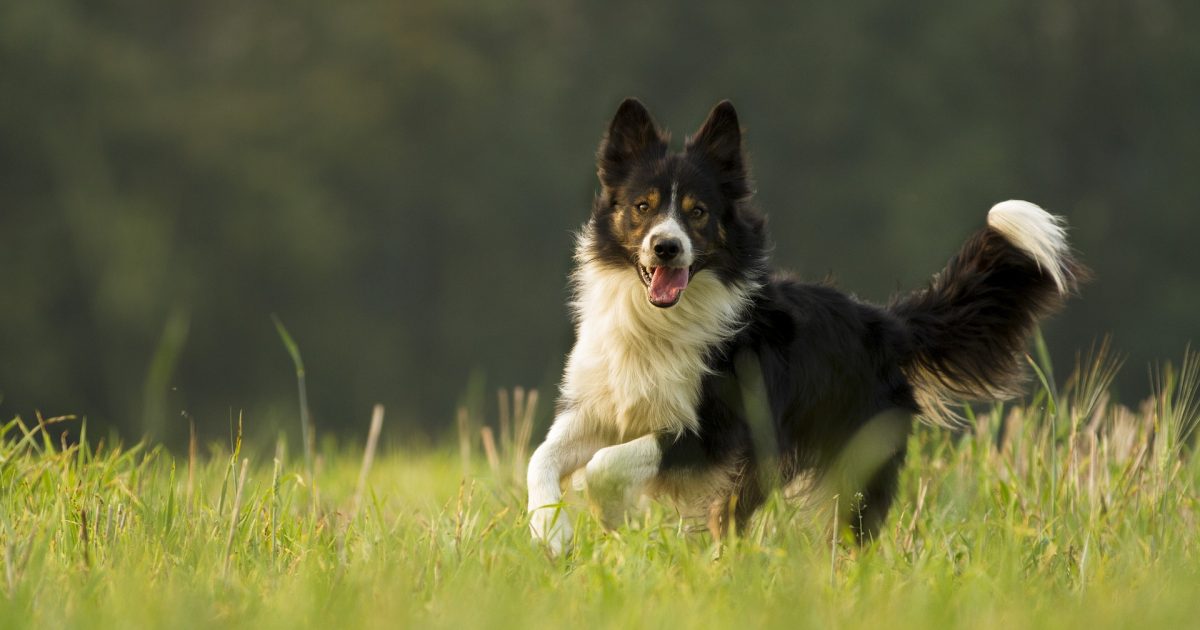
[667,248]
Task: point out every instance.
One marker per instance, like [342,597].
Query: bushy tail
[970,326]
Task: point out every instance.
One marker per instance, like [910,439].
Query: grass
[1065,511]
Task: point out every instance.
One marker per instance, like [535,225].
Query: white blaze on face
[668,227]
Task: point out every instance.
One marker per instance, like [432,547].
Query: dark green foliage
[397,180]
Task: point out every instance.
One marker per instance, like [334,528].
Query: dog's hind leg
[869,509]
[617,476]
[867,473]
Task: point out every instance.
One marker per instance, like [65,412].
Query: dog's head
[668,216]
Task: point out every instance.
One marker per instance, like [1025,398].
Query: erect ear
[720,137]
[719,141]
[631,134]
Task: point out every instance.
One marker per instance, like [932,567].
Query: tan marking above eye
[651,199]
[693,209]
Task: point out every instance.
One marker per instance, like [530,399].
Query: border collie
[700,375]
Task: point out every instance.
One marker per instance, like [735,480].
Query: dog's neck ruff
[636,368]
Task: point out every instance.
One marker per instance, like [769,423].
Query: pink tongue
[667,284]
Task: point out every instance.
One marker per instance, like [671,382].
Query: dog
[699,374]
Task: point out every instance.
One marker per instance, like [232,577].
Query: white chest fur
[635,368]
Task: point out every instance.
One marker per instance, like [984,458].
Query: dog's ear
[631,134]
[719,142]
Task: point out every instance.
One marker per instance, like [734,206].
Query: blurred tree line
[398,181]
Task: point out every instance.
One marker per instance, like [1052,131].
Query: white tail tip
[1037,232]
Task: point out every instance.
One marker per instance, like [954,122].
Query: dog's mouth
[664,285]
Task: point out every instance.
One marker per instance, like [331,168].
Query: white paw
[611,490]
[552,526]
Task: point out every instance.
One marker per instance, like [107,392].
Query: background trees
[398,181]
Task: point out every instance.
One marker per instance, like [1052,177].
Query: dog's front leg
[617,476]
[568,445]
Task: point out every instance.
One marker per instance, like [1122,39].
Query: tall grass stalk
[368,457]
[306,428]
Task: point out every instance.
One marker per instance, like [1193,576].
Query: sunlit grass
[1067,511]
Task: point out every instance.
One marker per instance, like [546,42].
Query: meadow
[1061,510]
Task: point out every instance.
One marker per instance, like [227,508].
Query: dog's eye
[642,206]
[697,212]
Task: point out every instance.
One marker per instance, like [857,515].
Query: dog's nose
[667,248]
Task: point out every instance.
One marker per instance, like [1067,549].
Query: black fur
[827,364]
[968,327]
